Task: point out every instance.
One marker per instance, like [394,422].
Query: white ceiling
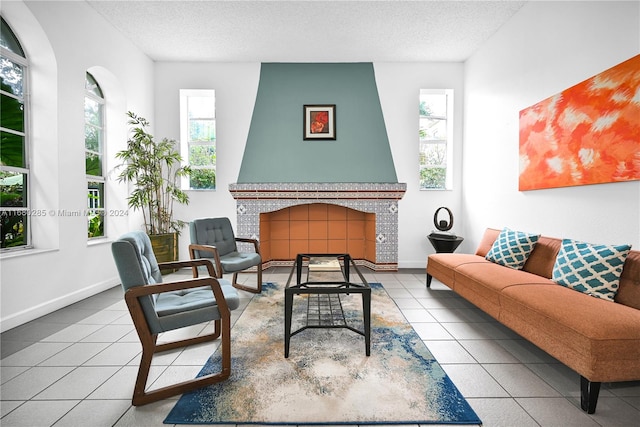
[307,31]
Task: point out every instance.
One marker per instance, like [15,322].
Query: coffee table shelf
[327,278]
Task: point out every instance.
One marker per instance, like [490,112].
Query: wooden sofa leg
[589,392]
[429,277]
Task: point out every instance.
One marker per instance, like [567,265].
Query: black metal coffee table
[327,277]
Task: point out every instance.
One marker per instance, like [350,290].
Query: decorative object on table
[328,379]
[587,134]
[443,225]
[154,169]
[443,240]
[319,122]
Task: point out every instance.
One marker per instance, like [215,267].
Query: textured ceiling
[307,31]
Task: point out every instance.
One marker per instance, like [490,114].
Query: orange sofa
[598,339]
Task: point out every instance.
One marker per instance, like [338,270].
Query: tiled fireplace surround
[380,200]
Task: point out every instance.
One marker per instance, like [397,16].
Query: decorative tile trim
[278,191]
[378,198]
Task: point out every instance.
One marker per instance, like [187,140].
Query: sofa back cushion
[629,290]
[543,257]
[490,236]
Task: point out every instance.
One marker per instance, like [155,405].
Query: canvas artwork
[586,134]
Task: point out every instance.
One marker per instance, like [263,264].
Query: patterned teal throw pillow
[512,248]
[592,269]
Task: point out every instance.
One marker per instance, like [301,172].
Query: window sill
[24,252]
[98,241]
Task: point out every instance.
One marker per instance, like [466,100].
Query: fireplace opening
[317,228]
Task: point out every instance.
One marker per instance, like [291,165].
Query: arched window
[15,212]
[94,156]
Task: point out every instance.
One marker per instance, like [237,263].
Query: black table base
[324,308]
[443,245]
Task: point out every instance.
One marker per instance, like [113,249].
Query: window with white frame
[15,209]
[198,137]
[94,156]
[435,130]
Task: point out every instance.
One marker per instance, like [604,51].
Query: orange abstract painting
[587,134]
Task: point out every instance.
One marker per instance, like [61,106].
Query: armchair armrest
[190,263]
[256,245]
[216,257]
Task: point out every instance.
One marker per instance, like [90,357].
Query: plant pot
[165,248]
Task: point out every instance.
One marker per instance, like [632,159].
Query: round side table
[443,245]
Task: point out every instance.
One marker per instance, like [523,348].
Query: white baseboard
[32,313]
[413,264]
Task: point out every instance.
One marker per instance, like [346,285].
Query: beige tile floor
[76,367]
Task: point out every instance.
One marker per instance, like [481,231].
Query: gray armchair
[214,238]
[157,307]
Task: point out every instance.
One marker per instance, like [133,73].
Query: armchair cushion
[135,260]
[214,231]
[236,261]
[169,303]
[181,308]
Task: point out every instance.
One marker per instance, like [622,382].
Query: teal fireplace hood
[275,149]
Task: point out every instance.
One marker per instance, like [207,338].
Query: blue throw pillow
[592,269]
[512,248]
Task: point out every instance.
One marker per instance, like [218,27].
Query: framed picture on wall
[319,122]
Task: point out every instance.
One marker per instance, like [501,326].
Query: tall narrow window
[94,156]
[15,212]
[435,130]
[198,137]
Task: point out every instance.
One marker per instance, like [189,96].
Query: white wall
[63,40]
[545,48]
[236,87]
[399,87]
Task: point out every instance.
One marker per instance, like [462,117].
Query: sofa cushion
[443,265]
[591,269]
[543,257]
[490,235]
[629,290]
[482,283]
[597,339]
[512,248]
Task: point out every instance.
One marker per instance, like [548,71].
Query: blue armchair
[157,307]
[213,238]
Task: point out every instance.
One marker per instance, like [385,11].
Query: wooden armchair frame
[222,327]
[218,265]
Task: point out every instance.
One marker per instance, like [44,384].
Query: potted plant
[154,169]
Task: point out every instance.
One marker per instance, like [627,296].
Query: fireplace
[290,218]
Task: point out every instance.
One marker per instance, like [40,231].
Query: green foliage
[96,224]
[13,230]
[433,178]
[425,110]
[203,179]
[154,168]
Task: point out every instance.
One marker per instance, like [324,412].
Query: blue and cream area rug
[327,378]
